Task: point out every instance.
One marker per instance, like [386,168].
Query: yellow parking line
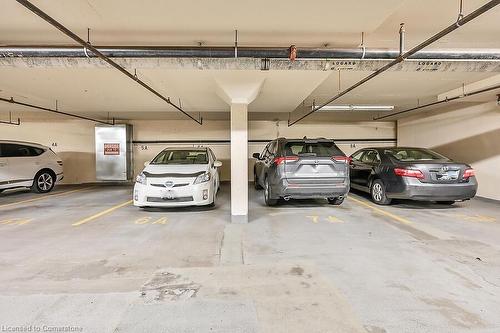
[107,211]
[381,211]
[44,197]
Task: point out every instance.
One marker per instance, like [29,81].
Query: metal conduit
[96,52]
[12,101]
[439,102]
[460,22]
[45,51]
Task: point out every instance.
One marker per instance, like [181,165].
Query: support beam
[239,162]
[239,89]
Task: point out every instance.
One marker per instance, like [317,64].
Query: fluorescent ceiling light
[356,108]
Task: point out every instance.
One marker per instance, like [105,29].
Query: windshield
[183,156]
[318,149]
[414,154]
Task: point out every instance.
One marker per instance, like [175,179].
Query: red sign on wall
[111,149]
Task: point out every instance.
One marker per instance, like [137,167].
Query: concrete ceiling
[259,22]
[100,90]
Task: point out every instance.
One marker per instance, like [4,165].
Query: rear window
[171,156]
[319,149]
[414,154]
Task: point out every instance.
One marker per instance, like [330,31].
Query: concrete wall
[74,139]
[470,134]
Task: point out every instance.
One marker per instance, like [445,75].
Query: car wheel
[267,194]
[44,182]
[256,182]
[336,201]
[378,193]
[449,203]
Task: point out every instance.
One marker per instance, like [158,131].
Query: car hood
[173,170]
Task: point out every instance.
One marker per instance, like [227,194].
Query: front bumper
[413,189]
[309,191]
[189,195]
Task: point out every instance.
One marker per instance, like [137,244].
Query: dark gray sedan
[302,169]
[411,173]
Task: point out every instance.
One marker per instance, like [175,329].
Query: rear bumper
[309,191]
[415,190]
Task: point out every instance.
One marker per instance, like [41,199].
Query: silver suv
[302,169]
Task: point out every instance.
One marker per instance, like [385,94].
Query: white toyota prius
[178,177]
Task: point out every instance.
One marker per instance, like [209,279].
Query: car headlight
[203,178]
[141,178]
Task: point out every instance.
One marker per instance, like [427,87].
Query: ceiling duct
[47,51]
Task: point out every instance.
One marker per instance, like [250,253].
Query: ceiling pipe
[47,51]
[12,101]
[459,23]
[96,52]
[446,100]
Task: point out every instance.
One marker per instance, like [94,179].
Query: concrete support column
[239,162]
[239,89]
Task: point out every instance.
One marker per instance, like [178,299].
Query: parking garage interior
[233,76]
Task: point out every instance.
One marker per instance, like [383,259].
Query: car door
[355,168]
[369,160]
[23,163]
[260,165]
[4,174]
[269,158]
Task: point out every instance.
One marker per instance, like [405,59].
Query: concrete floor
[83,257]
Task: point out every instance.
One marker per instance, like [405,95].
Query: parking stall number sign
[111,149]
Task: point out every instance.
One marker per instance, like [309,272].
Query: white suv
[24,164]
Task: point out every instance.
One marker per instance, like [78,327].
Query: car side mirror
[217,164]
[146,164]
[256,155]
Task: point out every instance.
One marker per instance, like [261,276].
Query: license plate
[169,194]
[450,175]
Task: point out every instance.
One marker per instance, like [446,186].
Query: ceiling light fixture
[356,108]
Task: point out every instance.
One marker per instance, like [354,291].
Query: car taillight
[345,159]
[280,160]
[469,173]
[409,173]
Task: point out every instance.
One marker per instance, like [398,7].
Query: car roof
[307,139]
[397,147]
[187,148]
[24,143]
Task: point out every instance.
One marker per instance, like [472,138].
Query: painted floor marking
[44,197]
[15,221]
[150,220]
[381,211]
[105,212]
[333,219]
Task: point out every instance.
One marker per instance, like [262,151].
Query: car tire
[256,184]
[336,201]
[448,203]
[377,191]
[267,194]
[43,182]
